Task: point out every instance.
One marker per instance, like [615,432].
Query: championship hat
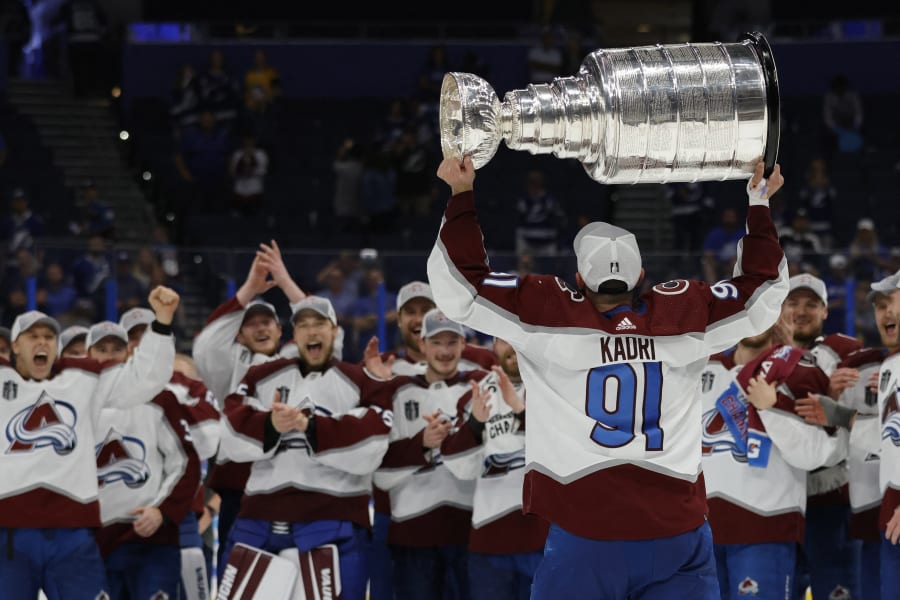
[607,253]
[105,329]
[413,289]
[316,304]
[70,334]
[805,281]
[259,306]
[885,286]
[436,321]
[27,320]
[136,316]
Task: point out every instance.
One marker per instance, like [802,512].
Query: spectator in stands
[260,82]
[185,103]
[339,293]
[15,302]
[690,215]
[129,289]
[248,168]
[348,262]
[869,259]
[96,217]
[539,218]
[836,285]
[166,251]
[92,268]
[818,197]
[799,239]
[525,265]
[55,296]
[144,266]
[720,246]
[348,173]
[21,226]
[20,268]
[545,59]
[864,316]
[364,315]
[219,92]
[432,75]
[843,114]
[202,162]
[379,192]
[414,174]
[394,124]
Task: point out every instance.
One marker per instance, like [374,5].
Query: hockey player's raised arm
[214,345]
[147,371]
[461,280]
[750,302]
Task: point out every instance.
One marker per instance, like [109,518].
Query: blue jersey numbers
[615,394]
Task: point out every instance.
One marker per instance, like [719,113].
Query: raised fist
[164,302]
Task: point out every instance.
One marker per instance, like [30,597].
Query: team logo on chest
[10,390]
[411,410]
[706,381]
[885,380]
[46,423]
[122,458]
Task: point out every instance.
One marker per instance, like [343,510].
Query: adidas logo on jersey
[625,324]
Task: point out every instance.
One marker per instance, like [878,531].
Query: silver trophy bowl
[651,114]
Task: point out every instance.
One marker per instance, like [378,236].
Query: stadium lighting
[146,175]
[123,135]
[116,91]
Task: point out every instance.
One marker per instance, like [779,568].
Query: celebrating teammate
[48,491]
[615,379]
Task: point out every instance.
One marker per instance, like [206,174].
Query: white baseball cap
[885,286]
[316,304]
[70,334]
[136,316]
[436,321]
[105,329]
[607,253]
[805,281]
[413,289]
[258,305]
[29,319]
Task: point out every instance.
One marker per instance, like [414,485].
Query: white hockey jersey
[575,359]
[889,473]
[864,460]
[199,418]
[430,506]
[141,461]
[325,473]
[750,503]
[493,454]
[828,485]
[49,472]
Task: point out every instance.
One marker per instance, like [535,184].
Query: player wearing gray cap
[50,411]
[615,378]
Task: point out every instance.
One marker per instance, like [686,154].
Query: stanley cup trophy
[652,114]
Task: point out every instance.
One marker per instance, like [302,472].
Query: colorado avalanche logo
[891,429]
[498,464]
[122,458]
[718,438]
[47,422]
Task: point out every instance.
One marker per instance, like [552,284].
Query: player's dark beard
[806,340]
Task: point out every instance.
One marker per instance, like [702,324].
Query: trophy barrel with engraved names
[650,114]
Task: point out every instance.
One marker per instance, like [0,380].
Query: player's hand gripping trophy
[653,114]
